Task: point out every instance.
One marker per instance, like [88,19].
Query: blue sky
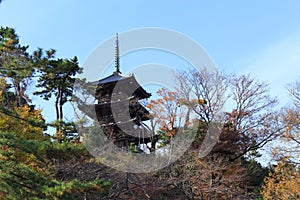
[257,37]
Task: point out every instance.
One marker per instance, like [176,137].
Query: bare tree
[293,113]
[294,90]
[253,117]
[290,118]
[204,92]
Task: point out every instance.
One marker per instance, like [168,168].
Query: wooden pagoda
[119,111]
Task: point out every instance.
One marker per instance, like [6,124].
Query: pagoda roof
[118,76]
[115,77]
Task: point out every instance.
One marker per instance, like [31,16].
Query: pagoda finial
[117,66]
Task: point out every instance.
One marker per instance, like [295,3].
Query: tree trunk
[57,111]
[187,118]
[18,93]
[60,106]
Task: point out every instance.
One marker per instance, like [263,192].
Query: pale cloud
[278,64]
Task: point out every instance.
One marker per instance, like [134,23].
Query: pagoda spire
[117,59]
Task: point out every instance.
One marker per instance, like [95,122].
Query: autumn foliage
[283,183]
[164,112]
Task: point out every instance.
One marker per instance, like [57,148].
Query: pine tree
[57,79]
[15,64]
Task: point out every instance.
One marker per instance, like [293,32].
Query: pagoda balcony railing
[113,122]
[116,117]
[114,99]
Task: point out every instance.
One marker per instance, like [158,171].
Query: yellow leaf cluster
[283,183]
[19,123]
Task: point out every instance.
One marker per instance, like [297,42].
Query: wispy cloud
[278,64]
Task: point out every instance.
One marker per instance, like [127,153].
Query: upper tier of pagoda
[127,86]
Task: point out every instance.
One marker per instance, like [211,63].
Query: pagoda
[118,110]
